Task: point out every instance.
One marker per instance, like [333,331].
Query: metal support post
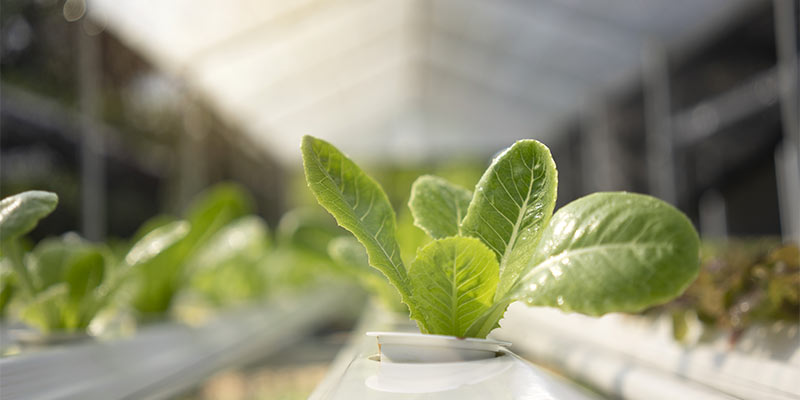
[713,215]
[192,165]
[787,157]
[660,142]
[93,185]
[598,169]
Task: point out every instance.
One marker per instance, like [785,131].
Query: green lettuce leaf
[8,286]
[163,274]
[156,241]
[242,239]
[47,261]
[84,273]
[612,252]
[45,311]
[208,213]
[359,205]
[490,318]
[454,281]
[20,213]
[438,206]
[67,262]
[513,201]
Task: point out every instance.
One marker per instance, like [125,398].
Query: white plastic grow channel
[636,358]
[361,372]
[164,360]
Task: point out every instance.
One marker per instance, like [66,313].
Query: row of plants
[217,254]
[742,283]
[454,258]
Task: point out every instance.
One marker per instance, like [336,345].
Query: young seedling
[601,253]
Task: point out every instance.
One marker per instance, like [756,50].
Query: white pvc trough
[634,357]
[161,361]
[415,366]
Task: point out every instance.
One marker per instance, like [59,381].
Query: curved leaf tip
[359,204]
[20,213]
[513,201]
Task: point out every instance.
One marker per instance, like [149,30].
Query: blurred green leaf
[162,276]
[152,224]
[160,238]
[348,251]
[80,268]
[7,286]
[742,282]
[48,260]
[229,268]
[351,257]
[216,207]
[45,311]
[20,213]
[84,273]
[308,228]
[246,237]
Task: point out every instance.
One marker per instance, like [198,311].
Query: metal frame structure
[367,73]
[788,155]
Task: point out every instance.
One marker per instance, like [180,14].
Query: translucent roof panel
[388,79]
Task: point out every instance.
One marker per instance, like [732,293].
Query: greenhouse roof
[399,79]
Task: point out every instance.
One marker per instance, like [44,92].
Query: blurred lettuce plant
[230,268]
[741,282]
[162,276]
[64,282]
[351,259]
[300,256]
[311,242]
[19,214]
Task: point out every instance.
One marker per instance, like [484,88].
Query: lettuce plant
[229,268]
[65,281]
[19,214]
[502,243]
[162,276]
